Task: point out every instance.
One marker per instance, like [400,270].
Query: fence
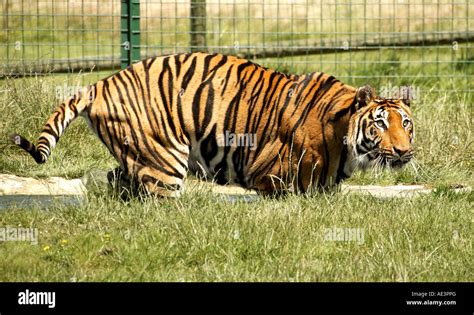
[423,42]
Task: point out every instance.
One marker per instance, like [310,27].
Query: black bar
[244,297]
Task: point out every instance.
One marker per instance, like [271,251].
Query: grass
[200,237]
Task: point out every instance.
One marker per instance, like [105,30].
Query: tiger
[232,121]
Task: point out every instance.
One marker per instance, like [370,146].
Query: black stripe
[341,113]
[187,56]
[341,175]
[208,146]
[196,110]
[208,109]
[227,77]
[148,63]
[285,105]
[222,62]
[110,146]
[177,64]
[207,61]
[325,166]
[241,68]
[179,107]
[189,74]
[301,187]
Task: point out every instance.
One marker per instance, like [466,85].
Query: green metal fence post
[130,32]
[124,34]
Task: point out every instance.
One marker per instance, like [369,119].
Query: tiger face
[382,131]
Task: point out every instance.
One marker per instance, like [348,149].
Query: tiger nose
[401,151]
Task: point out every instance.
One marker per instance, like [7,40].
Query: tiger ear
[364,95]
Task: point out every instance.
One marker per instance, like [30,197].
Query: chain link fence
[426,43]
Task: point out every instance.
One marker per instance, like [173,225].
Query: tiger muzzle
[395,159]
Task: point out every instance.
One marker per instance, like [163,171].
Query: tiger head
[381,132]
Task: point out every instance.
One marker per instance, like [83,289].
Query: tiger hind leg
[149,182]
[162,174]
[159,174]
[156,183]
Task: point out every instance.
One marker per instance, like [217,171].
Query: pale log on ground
[11,185]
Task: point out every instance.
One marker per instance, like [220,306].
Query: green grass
[201,237]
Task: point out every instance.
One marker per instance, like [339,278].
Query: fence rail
[283,49]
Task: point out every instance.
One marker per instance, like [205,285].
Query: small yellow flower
[107,236]
[46,248]
[64,242]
